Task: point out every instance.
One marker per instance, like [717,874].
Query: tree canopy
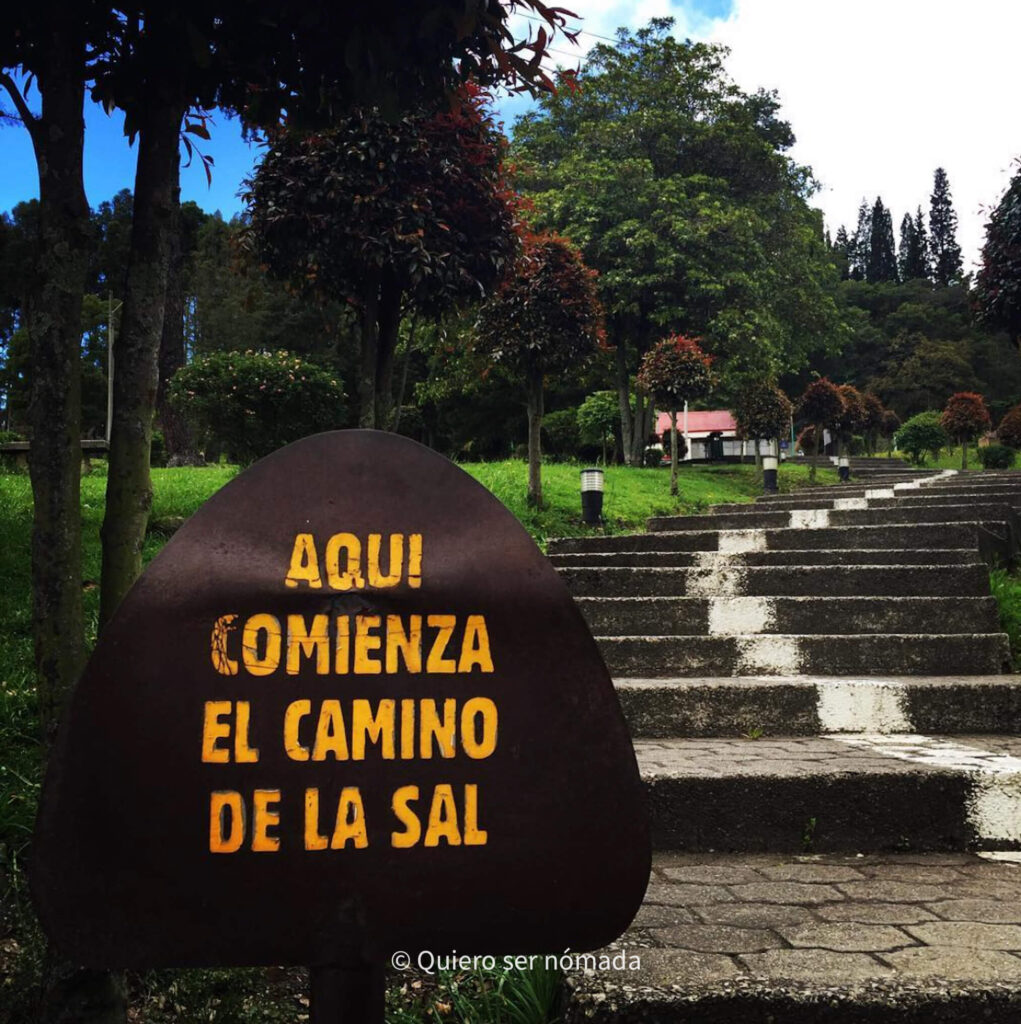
[999,278]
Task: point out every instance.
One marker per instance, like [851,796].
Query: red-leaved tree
[675,371]
[545,317]
[820,405]
[965,417]
[389,215]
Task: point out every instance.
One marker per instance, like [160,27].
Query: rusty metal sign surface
[349,708]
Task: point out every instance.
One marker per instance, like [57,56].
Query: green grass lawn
[632,495]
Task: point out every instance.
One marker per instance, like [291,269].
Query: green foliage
[1009,430]
[882,261]
[675,371]
[945,253]
[251,403]
[677,187]
[762,410]
[997,456]
[998,285]
[921,436]
[560,430]
[1006,588]
[598,416]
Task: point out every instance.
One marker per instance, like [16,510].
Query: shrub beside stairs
[824,714]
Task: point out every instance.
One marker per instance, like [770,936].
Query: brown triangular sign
[350,708]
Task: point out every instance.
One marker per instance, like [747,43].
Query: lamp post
[592,495]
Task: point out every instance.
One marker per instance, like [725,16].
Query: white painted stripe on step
[1004,856]
[714,560]
[714,582]
[994,804]
[730,616]
[879,492]
[768,655]
[736,541]
[809,518]
[862,705]
[912,486]
[850,504]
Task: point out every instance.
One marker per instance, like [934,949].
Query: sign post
[349,709]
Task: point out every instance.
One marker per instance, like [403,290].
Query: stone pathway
[828,730]
[740,937]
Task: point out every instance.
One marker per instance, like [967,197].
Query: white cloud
[879,92]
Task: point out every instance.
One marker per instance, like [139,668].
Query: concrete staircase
[810,676]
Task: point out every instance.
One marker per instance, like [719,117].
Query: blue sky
[940,90]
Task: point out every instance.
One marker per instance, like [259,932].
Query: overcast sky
[879,93]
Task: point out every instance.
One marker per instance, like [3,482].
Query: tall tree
[425,223]
[912,260]
[944,251]
[882,261]
[819,406]
[678,188]
[545,317]
[841,250]
[999,277]
[861,243]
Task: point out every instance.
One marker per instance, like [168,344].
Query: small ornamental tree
[544,318]
[998,285]
[889,425]
[387,215]
[675,371]
[820,405]
[922,435]
[762,411]
[965,418]
[598,418]
[851,420]
[872,421]
[1009,430]
[251,403]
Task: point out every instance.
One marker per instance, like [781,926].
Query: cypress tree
[861,240]
[913,260]
[882,262]
[945,252]
[841,250]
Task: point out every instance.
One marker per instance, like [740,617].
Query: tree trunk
[53,318]
[640,431]
[404,373]
[389,327]
[534,405]
[816,438]
[136,351]
[53,322]
[673,449]
[369,353]
[623,398]
[176,433]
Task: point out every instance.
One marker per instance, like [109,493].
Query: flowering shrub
[251,403]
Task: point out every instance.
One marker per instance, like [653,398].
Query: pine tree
[841,250]
[858,249]
[913,260]
[882,262]
[945,252]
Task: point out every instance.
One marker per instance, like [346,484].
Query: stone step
[970,580]
[858,793]
[727,616]
[714,559]
[776,654]
[906,535]
[875,498]
[735,706]
[813,519]
[813,939]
